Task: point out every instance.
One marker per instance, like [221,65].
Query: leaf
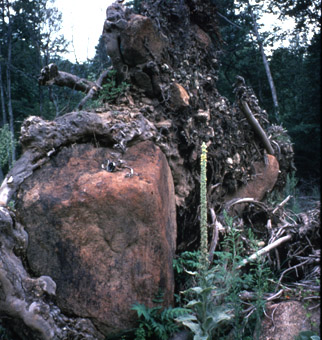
[193,303]
[219,315]
[141,311]
[193,326]
[201,337]
[171,313]
[196,306]
[201,291]
[188,317]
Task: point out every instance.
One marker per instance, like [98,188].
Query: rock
[202,37]
[140,41]
[179,97]
[285,321]
[263,181]
[105,237]
[142,80]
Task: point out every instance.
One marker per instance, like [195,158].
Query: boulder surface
[102,225]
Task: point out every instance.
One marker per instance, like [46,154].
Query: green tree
[297,73]
[27,41]
[295,69]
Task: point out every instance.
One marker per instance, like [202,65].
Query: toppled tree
[168,55]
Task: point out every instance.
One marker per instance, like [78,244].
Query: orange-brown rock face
[263,182]
[106,238]
[140,33]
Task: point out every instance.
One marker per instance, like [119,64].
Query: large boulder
[102,225]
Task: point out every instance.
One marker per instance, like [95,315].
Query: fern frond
[142,311]
[172,313]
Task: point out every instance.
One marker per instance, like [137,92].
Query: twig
[265,250]
[282,203]
[275,296]
[294,267]
[235,201]
[278,264]
[256,126]
[93,91]
[316,306]
[229,21]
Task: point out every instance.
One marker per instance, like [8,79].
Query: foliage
[205,313]
[290,189]
[297,77]
[135,5]
[187,261]
[295,69]
[306,13]
[157,322]
[5,145]
[4,334]
[214,302]
[110,91]
[307,335]
[28,39]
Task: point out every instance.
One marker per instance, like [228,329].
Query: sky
[82,25]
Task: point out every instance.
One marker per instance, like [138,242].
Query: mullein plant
[205,314]
[203,210]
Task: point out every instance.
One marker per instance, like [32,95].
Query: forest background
[30,39]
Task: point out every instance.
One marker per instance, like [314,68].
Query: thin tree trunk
[10,111]
[2,96]
[266,65]
[3,106]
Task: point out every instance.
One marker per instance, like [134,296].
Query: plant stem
[203,208]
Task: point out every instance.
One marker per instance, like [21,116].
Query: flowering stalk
[203,208]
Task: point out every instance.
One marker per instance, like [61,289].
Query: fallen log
[50,75]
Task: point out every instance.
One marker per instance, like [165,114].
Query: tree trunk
[266,65]
[3,106]
[2,96]
[10,111]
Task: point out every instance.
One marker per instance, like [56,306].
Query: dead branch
[94,90]
[265,250]
[235,201]
[50,75]
[294,267]
[282,203]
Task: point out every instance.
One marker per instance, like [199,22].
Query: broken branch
[50,75]
[265,250]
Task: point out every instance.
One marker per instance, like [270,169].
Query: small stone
[236,158]
[179,97]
